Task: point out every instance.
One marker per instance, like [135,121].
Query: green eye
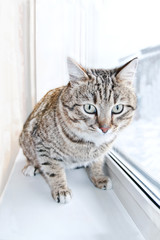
[89,108]
[117,109]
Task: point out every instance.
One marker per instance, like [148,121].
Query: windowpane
[141,141]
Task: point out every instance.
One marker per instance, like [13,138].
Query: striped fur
[59,134]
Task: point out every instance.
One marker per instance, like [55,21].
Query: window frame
[135,197]
[147,184]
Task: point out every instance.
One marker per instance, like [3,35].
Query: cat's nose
[104,128]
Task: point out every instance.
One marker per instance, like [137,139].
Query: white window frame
[142,206]
[31,46]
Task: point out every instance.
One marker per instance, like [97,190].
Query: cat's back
[49,101]
[47,104]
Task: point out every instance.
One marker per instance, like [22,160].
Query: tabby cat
[75,125]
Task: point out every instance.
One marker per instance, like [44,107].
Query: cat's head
[97,103]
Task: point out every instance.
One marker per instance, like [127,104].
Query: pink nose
[104,128]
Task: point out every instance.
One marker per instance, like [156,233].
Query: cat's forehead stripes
[101,72]
[103,84]
[106,87]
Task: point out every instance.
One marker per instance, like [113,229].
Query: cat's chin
[97,137]
[100,137]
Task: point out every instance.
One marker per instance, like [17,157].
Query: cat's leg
[55,175]
[27,145]
[97,176]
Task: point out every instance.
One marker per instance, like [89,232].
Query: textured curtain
[15,102]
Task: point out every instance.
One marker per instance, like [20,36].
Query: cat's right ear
[76,72]
[126,73]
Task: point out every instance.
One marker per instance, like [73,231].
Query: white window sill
[27,210]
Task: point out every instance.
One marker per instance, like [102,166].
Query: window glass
[141,140]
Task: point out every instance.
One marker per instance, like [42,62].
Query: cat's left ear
[127,71]
[76,71]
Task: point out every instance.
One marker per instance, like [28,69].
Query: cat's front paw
[30,170]
[102,182]
[62,196]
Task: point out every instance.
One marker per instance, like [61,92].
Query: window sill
[30,212]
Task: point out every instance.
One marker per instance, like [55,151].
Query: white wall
[94,32]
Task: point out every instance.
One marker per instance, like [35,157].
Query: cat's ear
[76,71]
[127,71]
